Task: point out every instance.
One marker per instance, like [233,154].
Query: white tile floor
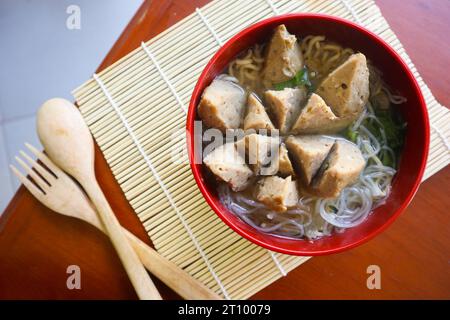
[41,58]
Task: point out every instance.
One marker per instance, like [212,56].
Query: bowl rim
[202,185]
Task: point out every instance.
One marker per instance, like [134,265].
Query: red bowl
[395,73]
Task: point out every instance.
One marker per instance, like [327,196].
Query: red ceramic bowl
[395,73]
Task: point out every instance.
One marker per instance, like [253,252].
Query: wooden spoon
[56,190]
[68,142]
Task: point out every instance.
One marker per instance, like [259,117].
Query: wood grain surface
[37,245]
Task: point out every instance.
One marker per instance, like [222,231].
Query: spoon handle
[139,277]
[172,275]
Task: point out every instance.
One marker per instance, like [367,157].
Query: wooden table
[36,245]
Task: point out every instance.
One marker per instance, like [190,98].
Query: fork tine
[40,182]
[39,168]
[35,191]
[45,160]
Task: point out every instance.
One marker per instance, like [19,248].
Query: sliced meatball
[283,59]
[285,105]
[284,164]
[341,168]
[277,193]
[260,152]
[308,153]
[346,89]
[229,166]
[256,117]
[222,105]
[317,117]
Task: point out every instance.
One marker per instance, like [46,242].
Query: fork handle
[137,274]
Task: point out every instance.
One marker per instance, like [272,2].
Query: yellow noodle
[321,57]
[324,57]
[243,61]
[250,76]
[247,69]
[252,67]
[332,47]
[347,51]
[231,68]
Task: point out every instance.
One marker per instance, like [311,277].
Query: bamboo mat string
[274,9]
[352,12]
[441,136]
[277,263]
[163,76]
[205,21]
[160,182]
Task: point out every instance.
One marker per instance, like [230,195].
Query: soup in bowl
[307,134]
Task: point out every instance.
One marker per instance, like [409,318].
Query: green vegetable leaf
[300,79]
[351,134]
[386,159]
[393,129]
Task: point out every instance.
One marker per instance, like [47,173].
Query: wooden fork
[56,190]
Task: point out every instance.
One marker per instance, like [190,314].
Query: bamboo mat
[134,108]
